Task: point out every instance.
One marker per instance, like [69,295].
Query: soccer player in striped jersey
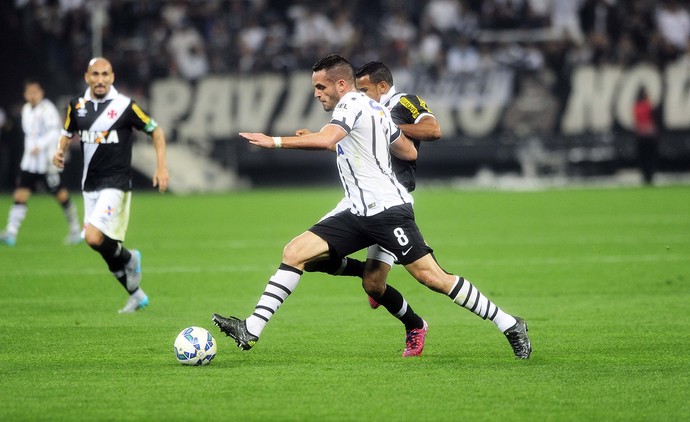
[411,114]
[363,135]
[41,125]
[105,120]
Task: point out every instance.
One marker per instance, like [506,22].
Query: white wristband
[277,141]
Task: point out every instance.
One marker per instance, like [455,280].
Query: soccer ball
[195,346]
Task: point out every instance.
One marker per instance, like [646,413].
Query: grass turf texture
[602,277]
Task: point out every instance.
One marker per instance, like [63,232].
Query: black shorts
[393,229]
[51,181]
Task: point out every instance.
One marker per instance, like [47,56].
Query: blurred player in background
[646,136]
[104,119]
[411,114]
[41,126]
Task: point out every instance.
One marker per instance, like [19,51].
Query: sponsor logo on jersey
[104,137]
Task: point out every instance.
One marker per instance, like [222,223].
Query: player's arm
[326,139]
[403,148]
[66,135]
[161,176]
[426,129]
[302,132]
[59,156]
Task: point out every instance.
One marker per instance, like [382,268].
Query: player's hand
[300,132]
[259,139]
[59,159]
[161,179]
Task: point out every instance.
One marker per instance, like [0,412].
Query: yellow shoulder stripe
[68,119]
[408,105]
[140,113]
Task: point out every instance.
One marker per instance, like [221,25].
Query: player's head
[99,76]
[374,79]
[332,78]
[33,91]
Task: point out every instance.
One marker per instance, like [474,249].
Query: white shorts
[377,253]
[108,211]
[374,252]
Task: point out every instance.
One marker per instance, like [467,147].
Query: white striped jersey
[363,156]
[41,125]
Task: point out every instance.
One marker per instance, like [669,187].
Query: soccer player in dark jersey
[105,120]
[411,114]
[363,136]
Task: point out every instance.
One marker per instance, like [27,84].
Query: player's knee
[21,196]
[62,195]
[374,288]
[374,282]
[93,238]
[292,256]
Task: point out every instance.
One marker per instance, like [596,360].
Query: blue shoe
[133,270]
[8,239]
[73,238]
[136,301]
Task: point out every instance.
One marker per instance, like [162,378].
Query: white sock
[72,219]
[17,215]
[469,297]
[280,286]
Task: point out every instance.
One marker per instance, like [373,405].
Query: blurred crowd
[149,39]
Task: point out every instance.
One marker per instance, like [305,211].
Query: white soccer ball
[195,346]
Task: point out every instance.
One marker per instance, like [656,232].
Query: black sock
[116,256]
[330,266]
[395,303]
[335,265]
[353,268]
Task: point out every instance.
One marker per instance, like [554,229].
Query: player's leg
[107,219]
[62,196]
[26,184]
[335,233]
[461,291]
[378,266]
[16,216]
[335,264]
[301,249]
[398,234]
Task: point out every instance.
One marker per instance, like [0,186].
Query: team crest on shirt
[81,107]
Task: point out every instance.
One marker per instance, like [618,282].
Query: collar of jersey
[387,97]
[112,93]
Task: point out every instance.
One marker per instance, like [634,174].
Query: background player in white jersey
[41,126]
[413,117]
[363,134]
[105,121]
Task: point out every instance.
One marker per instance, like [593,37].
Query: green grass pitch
[601,275]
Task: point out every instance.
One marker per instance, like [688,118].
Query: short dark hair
[336,67]
[32,81]
[377,72]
